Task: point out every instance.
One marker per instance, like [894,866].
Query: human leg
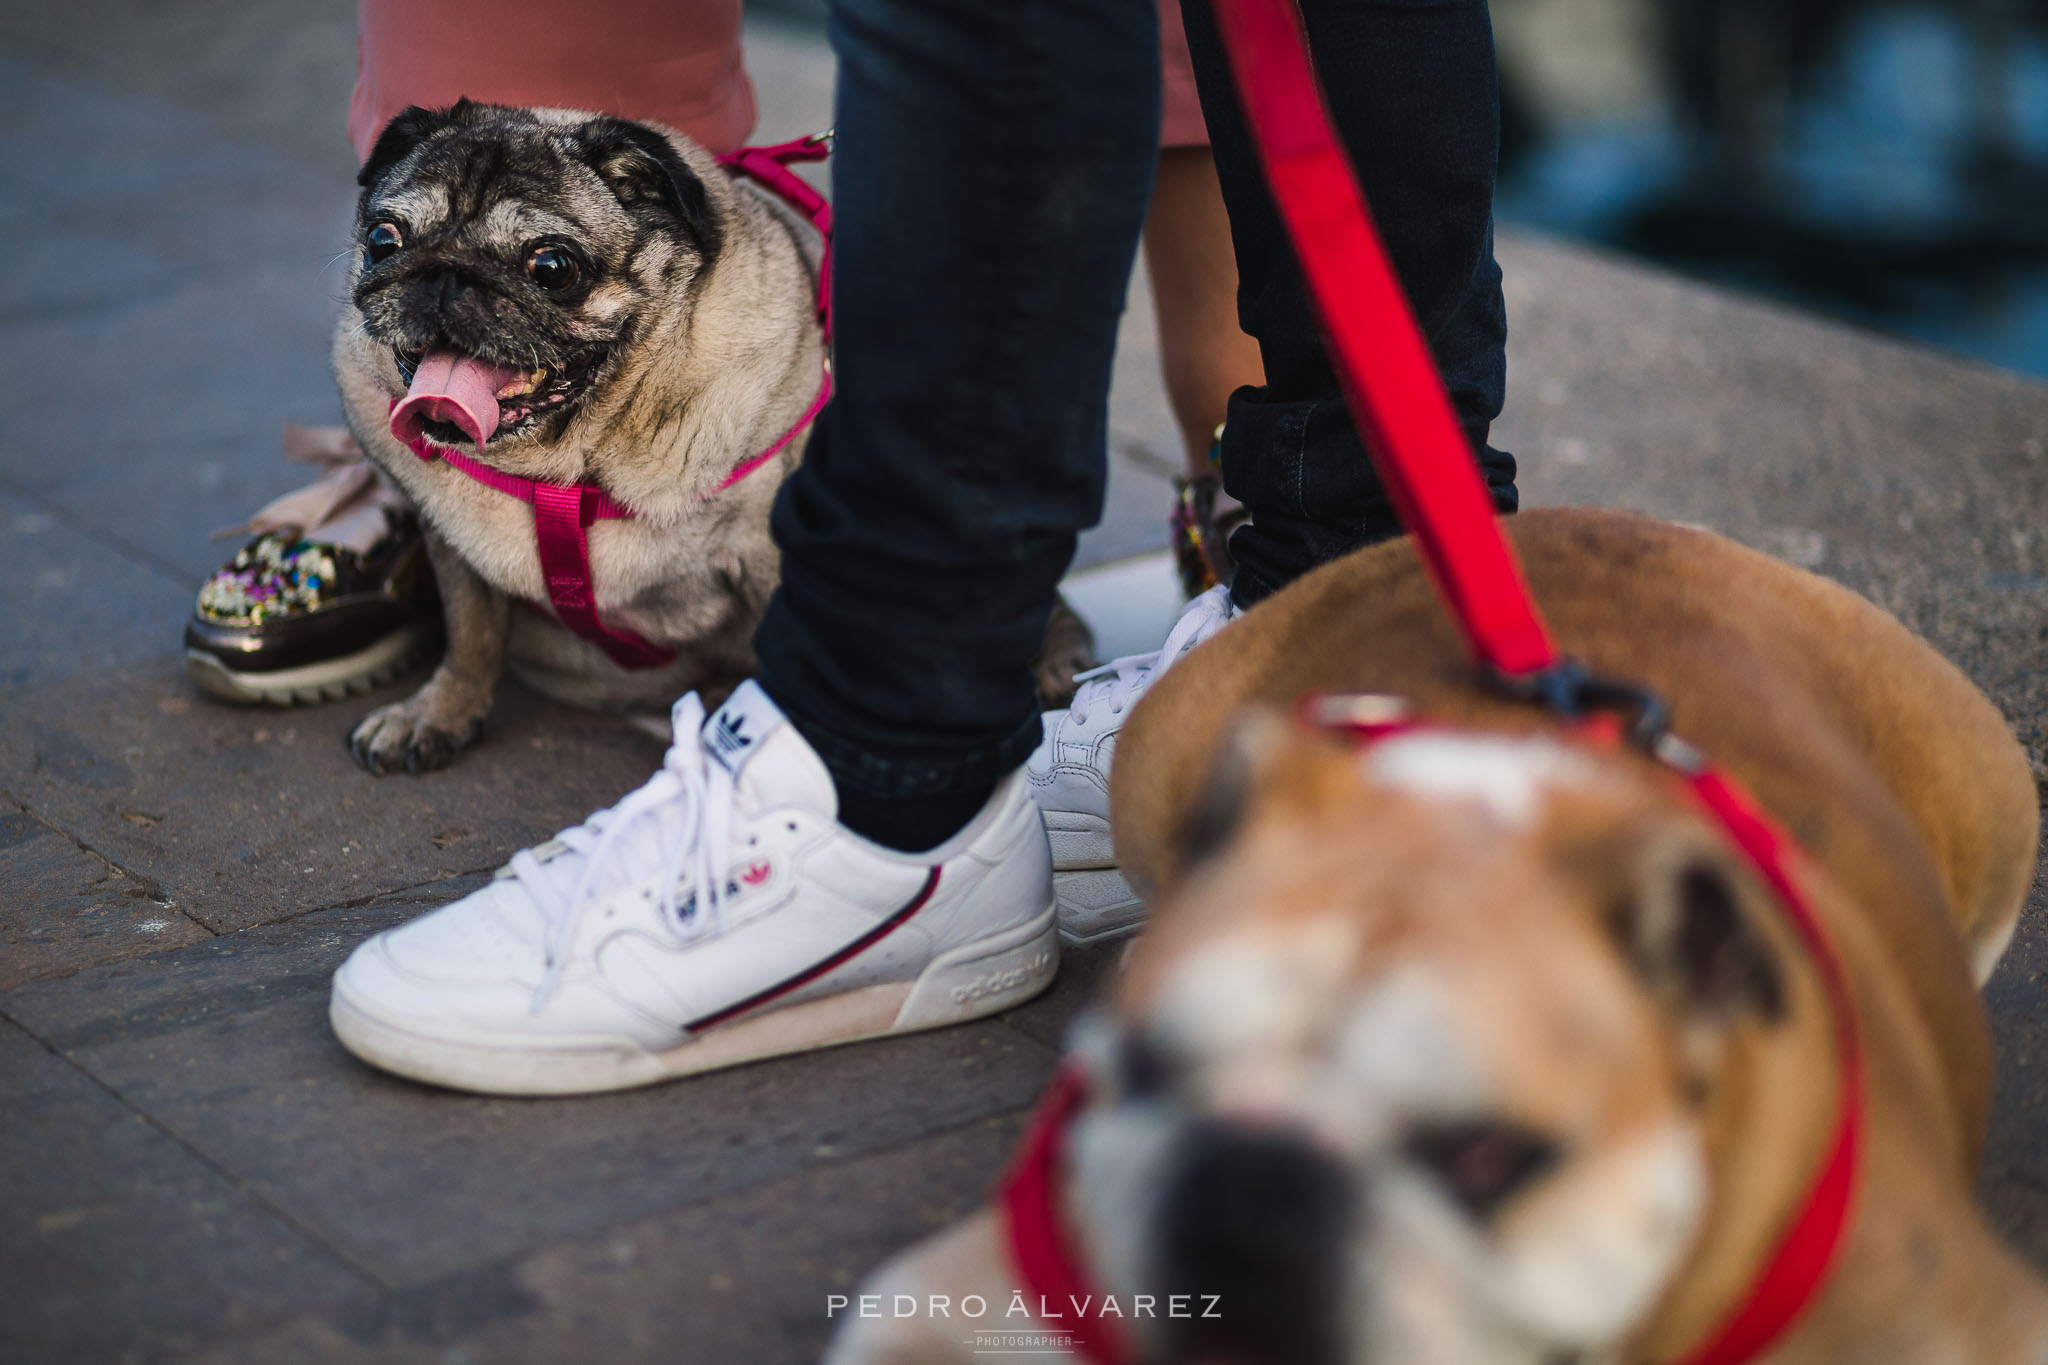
[677,64]
[1203,353]
[990,186]
[1412,89]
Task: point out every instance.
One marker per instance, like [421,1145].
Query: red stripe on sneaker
[818,969]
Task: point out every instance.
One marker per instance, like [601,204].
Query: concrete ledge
[1916,478]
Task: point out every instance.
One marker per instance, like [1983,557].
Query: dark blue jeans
[991,177]
[1412,90]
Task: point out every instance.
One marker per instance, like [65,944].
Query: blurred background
[1883,161]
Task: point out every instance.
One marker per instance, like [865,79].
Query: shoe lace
[679,821]
[1114,683]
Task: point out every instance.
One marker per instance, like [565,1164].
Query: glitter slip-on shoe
[289,620]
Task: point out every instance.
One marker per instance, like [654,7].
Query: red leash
[1399,403]
[563,513]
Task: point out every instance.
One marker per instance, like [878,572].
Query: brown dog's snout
[1252,1236]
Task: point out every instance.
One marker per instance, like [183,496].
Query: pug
[574,298]
[577,298]
[1482,1045]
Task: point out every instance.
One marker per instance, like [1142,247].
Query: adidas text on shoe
[717,915]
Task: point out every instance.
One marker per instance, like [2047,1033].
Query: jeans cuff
[881,775]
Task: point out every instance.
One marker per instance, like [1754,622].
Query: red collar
[564,512]
[1398,401]
[1798,1266]
[1048,1268]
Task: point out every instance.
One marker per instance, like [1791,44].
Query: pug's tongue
[458,389]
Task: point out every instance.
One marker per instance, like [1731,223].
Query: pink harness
[564,512]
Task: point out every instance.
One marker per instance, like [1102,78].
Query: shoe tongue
[458,389]
[769,760]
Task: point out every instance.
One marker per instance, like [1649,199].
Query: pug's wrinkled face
[1409,1066]
[509,259]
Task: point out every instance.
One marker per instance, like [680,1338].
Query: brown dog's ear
[644,169]
[408,128]
[1689,926]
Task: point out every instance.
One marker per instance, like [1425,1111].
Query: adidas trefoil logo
[729,737]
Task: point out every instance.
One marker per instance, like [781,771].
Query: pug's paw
[409,735]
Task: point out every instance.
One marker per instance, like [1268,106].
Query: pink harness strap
[770,166]
[564,512]
[561,516]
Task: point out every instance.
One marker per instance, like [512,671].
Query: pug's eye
[552,268]
[1480,1164]
[381,241]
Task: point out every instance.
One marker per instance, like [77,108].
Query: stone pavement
[191,1168]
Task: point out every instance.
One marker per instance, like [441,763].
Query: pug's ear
[408,128]
[644,168]
[1689,925]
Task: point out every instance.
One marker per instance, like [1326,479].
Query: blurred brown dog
[1484,1046]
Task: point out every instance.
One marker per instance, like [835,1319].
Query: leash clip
[1574,692]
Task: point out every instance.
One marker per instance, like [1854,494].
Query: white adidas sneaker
[1069,776]
[717,915]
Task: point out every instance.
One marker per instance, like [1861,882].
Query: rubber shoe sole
[976,979]
[330,680]
[1095,902]
[1078,840]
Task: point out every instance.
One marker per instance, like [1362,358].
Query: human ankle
[909,824]
[867,789]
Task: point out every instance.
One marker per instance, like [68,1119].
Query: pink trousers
[677,62]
